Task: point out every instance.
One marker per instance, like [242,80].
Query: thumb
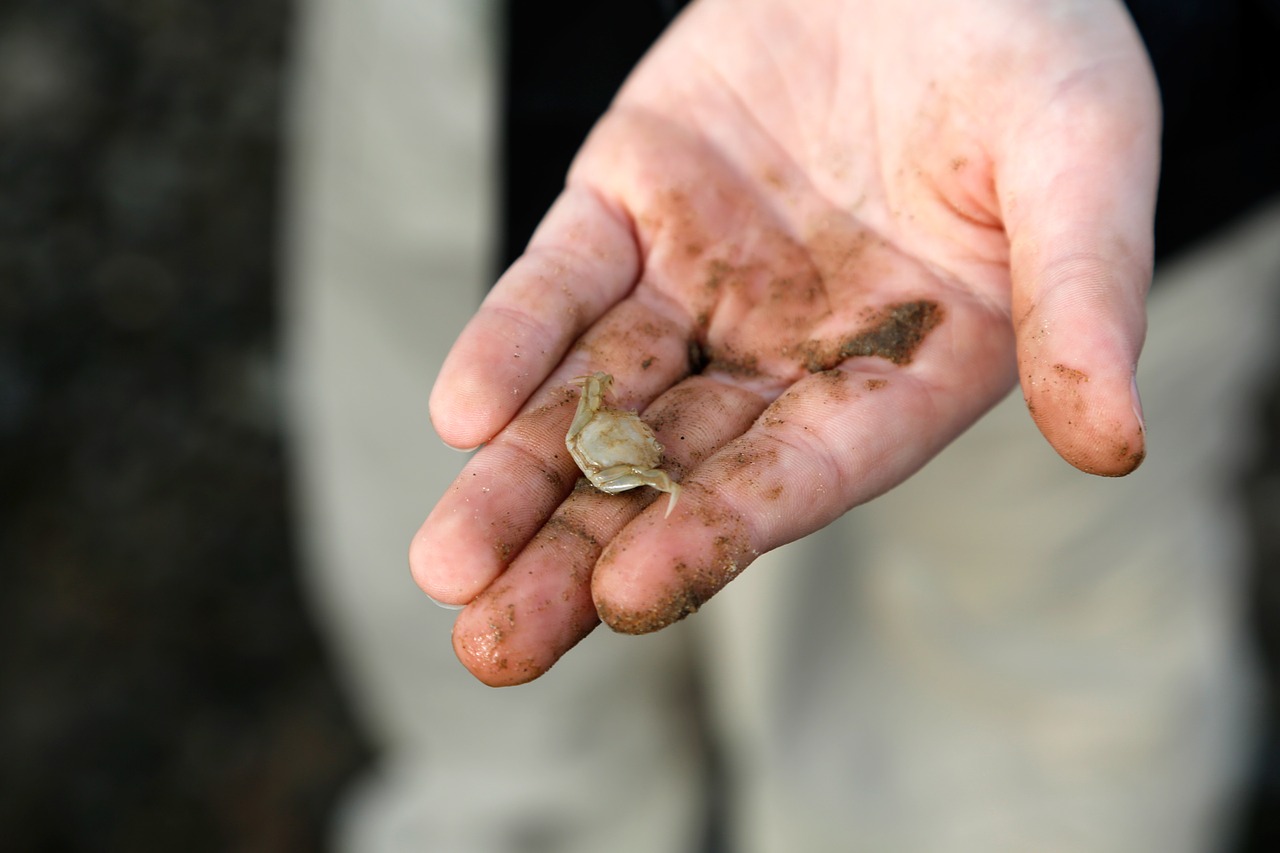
[1078,196]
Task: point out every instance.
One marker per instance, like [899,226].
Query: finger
[542,606]
[581,261]
[501,497]
[1079,198]
[513,484]
[832,441]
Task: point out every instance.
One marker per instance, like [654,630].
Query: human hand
[813,243]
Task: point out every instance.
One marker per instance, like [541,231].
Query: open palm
[812,243]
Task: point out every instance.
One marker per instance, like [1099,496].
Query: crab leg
[620,478]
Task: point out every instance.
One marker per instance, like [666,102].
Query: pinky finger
[581,261]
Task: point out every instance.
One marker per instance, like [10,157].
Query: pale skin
[812,243]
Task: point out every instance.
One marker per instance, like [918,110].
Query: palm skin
[812,243]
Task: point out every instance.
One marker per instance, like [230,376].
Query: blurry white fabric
[1001,654]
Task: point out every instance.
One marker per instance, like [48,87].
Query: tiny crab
[613,447]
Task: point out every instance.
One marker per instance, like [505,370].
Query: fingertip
[629,614]
[660,569]
[1090,420]
[515,632]
[623,583]
[633,589]
[481,644]
[1078,346]
[464,413]
[434,576]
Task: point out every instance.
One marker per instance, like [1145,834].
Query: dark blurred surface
[161,687]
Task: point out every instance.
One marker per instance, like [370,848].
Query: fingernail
[462,449]
[1137,404]
[444,606]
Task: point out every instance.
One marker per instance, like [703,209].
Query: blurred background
[161,684]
